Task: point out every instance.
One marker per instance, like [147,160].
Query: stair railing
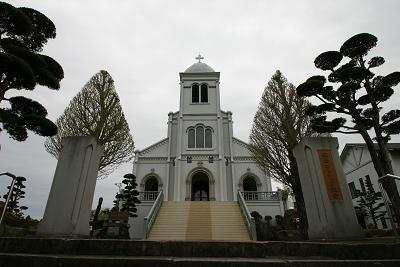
[150,218]
[250,222]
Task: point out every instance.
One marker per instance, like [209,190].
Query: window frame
[203,88]
[361,181]
[200,86]
[204,129]
[353,190]
[193,95]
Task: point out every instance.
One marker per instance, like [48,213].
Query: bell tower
[199,89]
[199,146]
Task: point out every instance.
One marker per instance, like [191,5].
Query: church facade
[200,159]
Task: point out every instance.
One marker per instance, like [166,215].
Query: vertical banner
[330,176]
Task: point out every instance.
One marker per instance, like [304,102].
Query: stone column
[70,201]
[329,207]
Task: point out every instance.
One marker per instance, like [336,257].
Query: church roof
[199,67]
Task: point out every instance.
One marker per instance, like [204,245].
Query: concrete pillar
[70,201]
[330,211]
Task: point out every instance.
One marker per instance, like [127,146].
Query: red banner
[330,176]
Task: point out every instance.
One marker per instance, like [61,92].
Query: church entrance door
[200,187]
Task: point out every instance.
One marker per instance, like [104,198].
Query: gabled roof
[240,142]
[153,146]
[347,147]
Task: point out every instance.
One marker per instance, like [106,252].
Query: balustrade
[148,195]
[260,196]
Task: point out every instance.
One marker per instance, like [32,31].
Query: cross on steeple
[199,57]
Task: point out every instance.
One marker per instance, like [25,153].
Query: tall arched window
[191,138]
[195,93]
[204,93]
[199,93]
[208,138]
[199,137]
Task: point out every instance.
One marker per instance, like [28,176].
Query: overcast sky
[145,44]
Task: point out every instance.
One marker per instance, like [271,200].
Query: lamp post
[14,179]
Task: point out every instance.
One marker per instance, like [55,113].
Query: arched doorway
[249,184]
[200,187]
[151,184]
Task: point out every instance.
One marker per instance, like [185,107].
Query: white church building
[200,159]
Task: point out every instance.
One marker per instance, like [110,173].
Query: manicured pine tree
[129,195]
[23,33]
[354,96]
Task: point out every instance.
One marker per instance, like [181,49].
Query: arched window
[208,138]
[151,184]
[199,93]
[204,93]
[191,139]
[199,137]
[249,184]
[195,93]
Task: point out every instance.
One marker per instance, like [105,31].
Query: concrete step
[210,220]
[36,260]
[232,249]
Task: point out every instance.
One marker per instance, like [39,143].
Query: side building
[358,167]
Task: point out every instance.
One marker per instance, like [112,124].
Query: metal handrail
[150,218]
[250,222]
[10,193]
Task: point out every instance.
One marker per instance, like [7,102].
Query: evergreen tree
[17,194]
[356,102]
[23,33]
[279,124]
[370,204]
[129,195]
[116,202]
[96,111]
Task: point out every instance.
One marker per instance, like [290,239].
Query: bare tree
[96,111]
[279,124]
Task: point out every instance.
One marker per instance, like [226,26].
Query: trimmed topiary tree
[129,195]
[23,33]
[354,97]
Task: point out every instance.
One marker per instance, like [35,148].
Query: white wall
[136,229]
[357,164]
[272,208]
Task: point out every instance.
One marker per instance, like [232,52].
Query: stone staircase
[199,220]
[56,252]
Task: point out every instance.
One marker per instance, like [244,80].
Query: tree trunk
[382,157]
[382,164]
[96,214]
[375,224]
[298,193]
